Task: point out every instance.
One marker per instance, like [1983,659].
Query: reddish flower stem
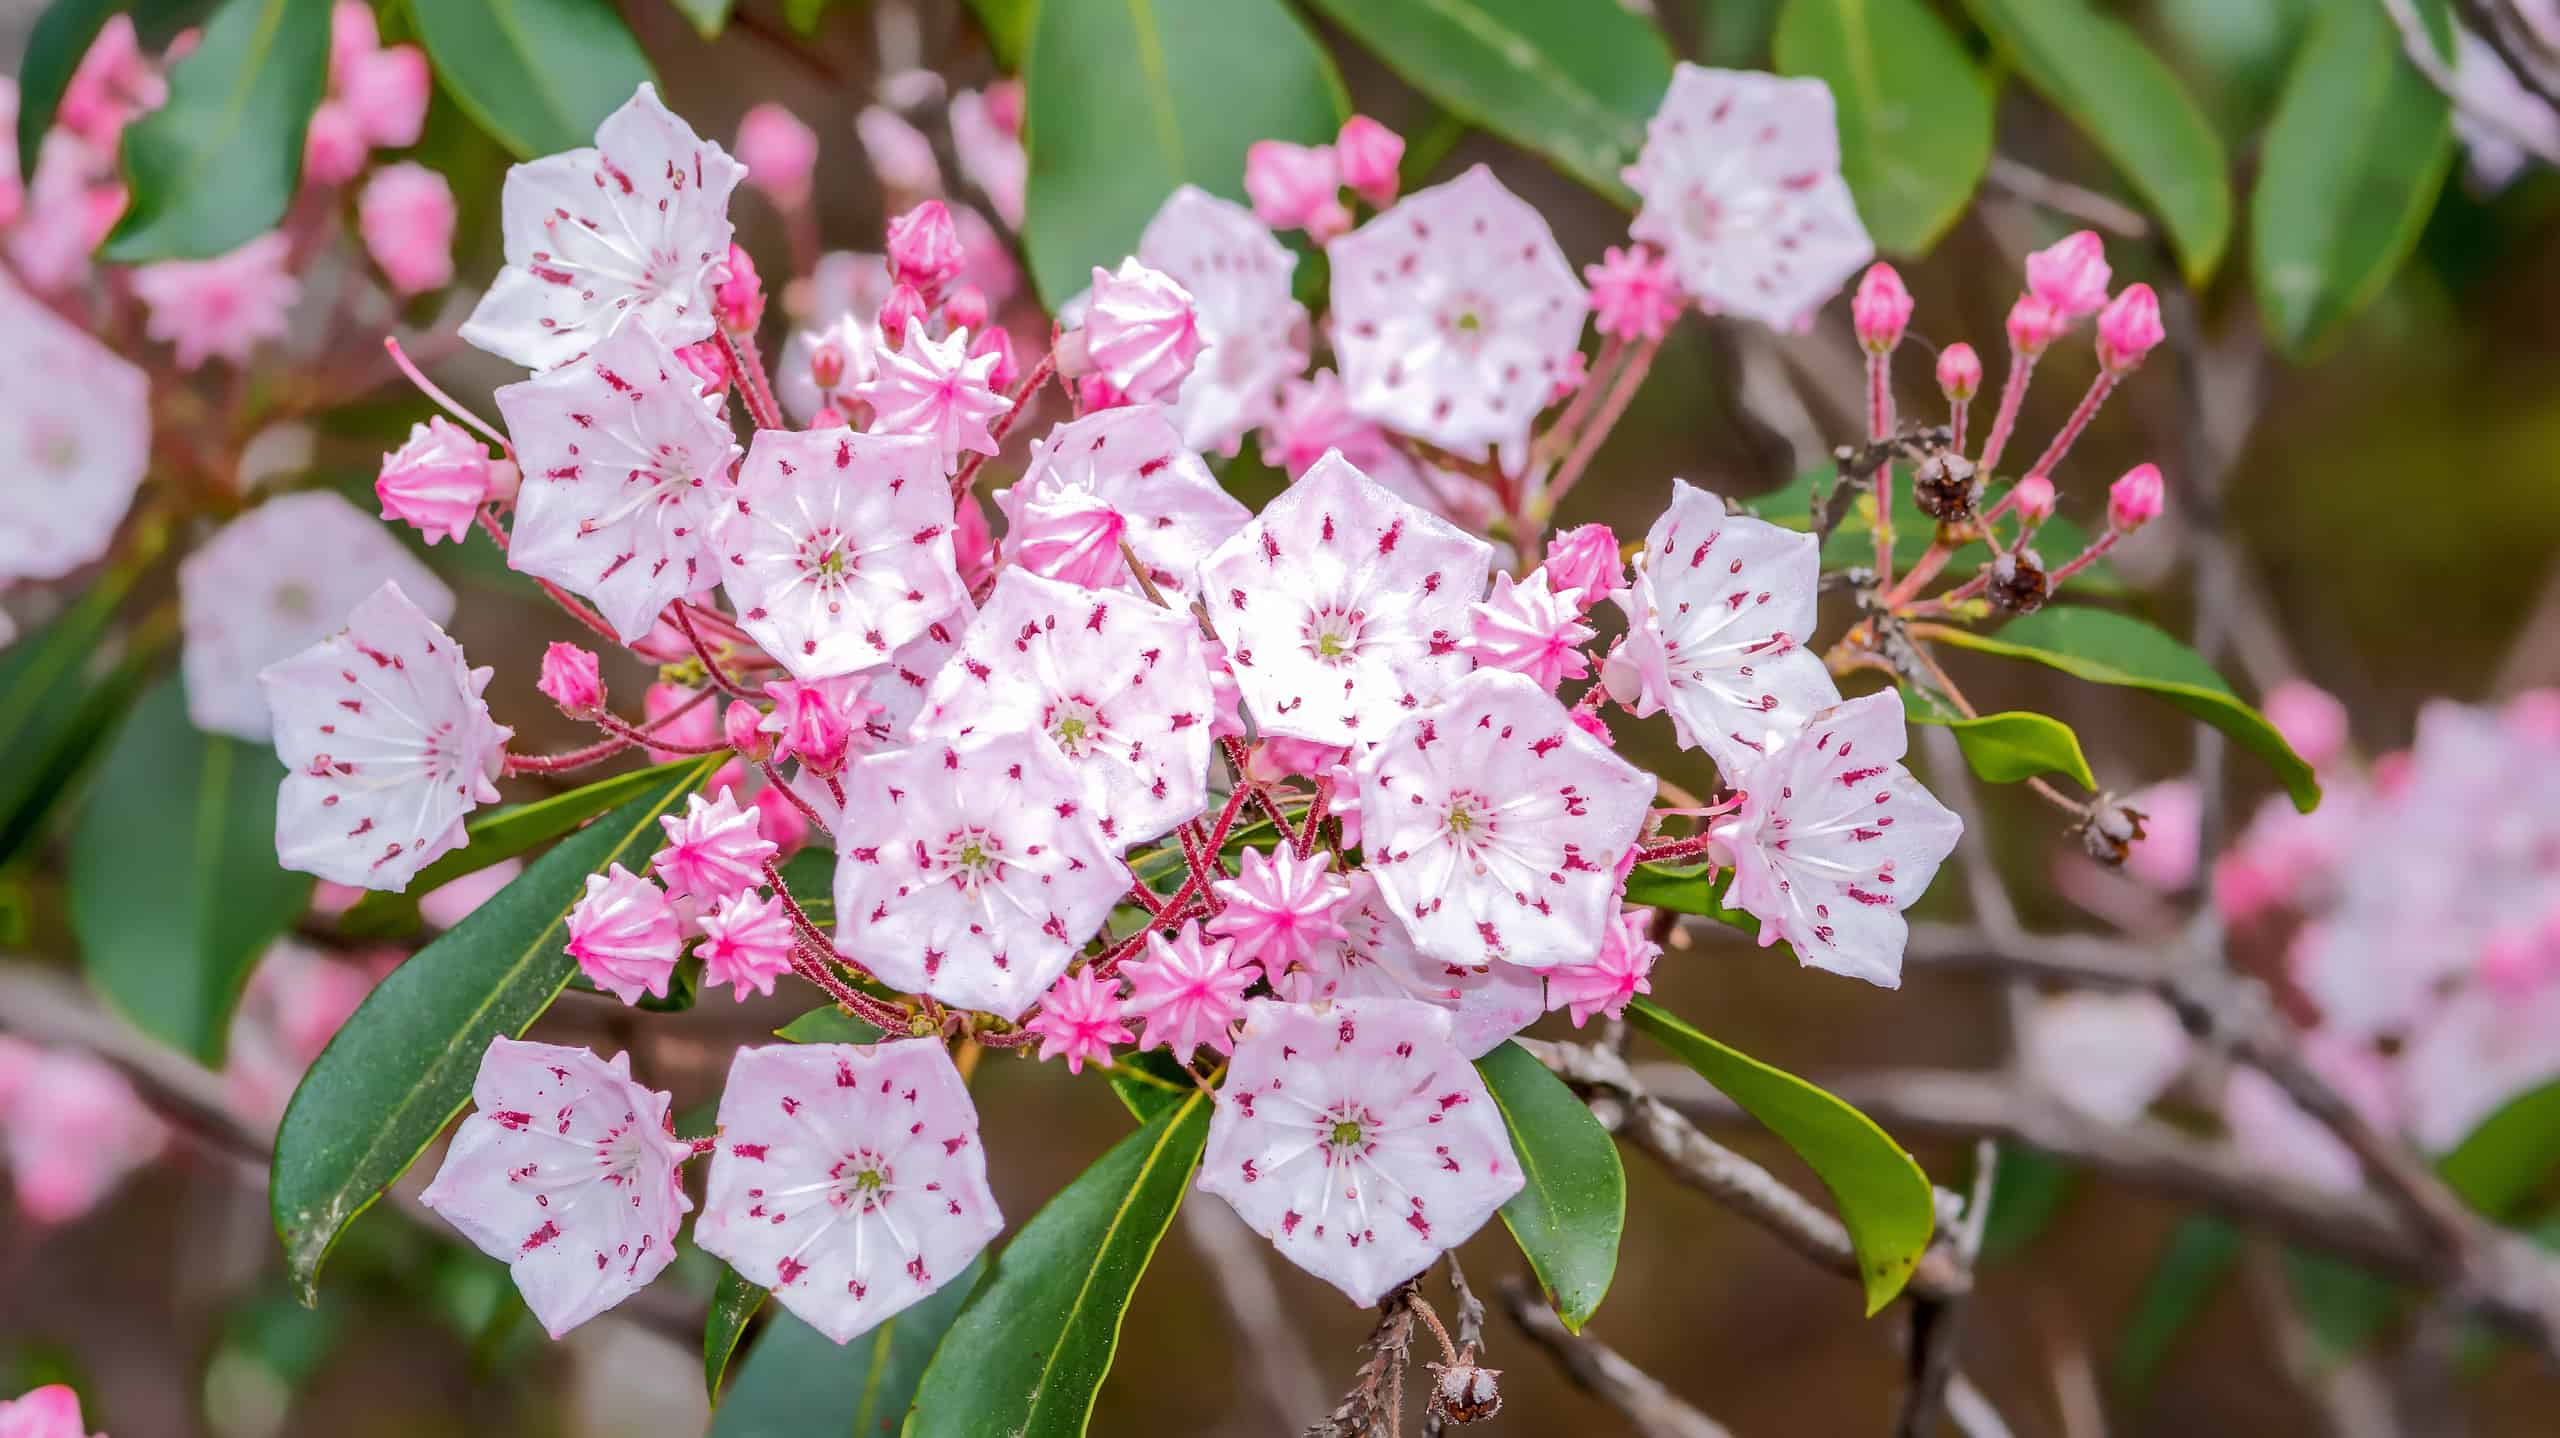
[806,809]
[1040,375]
[2081,414]
[749,368]
[630,735]
[443,401]
[2013,393]
[719,676]
[1586,445]
[1688,848]
[574,759]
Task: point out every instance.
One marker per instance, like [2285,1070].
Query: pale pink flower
[1357,1139]
[780,153]
[1835,839]
[1740,185]
[571,679]
[1634,294]
[2071,275]
[1115,685]
[387,746]
[991,156]
[1494,825]
[1079,1019]
[1376,958]
[566,1172]
[936,389]
[1128,462]
[292,1005]
[2310,718]
[2034,325]
[1190,991]
[1717,620]
[1313,416]
[849,1180]
[72,1130]
[1607,984]
[52,1411]
[273,582]
[1342,606]
[625,469]
[1295,187]
[1060,531]
[746,941]
[406,216]
[713,849]
[817,721]
[436,482]
[1585,559]
[1279,908]
[836,547]
[113,83]
[2128,329]
[2106,1055]
[623,934]
[1455,314]
[1140,331]
[222,307]
[1255,330]
[631,233]
[1369,154]
[1529,628]
[901,157]
[978,872]
[1881,309]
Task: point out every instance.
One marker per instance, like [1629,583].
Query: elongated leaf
[733,1302]
[215,167]
[709,17]
[1028,1354]
[828,1025]
[796,1383]
[539,75]
[2010,746]
[61,35]
[2501,1163]
[1915,111]
[1008,24]
[402,1066]
[1149,1083]
[1568,1216]
[2350,170]
[1882,1195]
[55,710]
[2028,1190]
[175,888]
[2199,1255]
[2094,69]
[1696,889]
[497,836]
[2104,647]
[1574,83]
[1130,99]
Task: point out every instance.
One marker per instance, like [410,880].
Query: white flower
[1256,332]
[75,437]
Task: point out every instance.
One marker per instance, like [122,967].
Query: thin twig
[2064,198]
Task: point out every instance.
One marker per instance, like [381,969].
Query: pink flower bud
[901,157]
[1881,309]
[780,822]
[2034,498]
[572,679]
[2310,718]
[827,363]
[1141,331]
[924,249]
[780,153]
[333,148]
[966,309]
[1585,558]
[2071,275]
[623,935]
[2128,328]
[2135,500]
[904,307]
[1959,372]
[1293,186]
[973,542]
[406,216]
[709,361]
[1590,722]
[436,482]
[1067,533]
[695,727]
[1369,153]
[2244,888]
[2034,326]
[386,92]
[1095,392]
[1004,105]
[1000,344]
[817,718]
[353,34]
[1634,294]
[739,298]
[739,725]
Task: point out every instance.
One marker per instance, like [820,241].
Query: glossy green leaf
[2096,70]
[57,708]
[402,1066]
[2028,1191]
[734,1301]
[1915,111]
[1008,24]
[494,838]
[1694,889]
[2199,1255]
[828,1025]
[2350,170]
[1570,1212]
[61,35]
[2344,1307]
[1882,1195]
[2009,746]
[540,75]
[1574,83]
[1130,99]
[175,888]
[2510,1155]
[215,167]
[2104,647]
[797,1383]
[1149,1083]
[709,17]
[1028,1354]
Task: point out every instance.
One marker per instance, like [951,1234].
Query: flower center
[1470,819]
[1348,1130]
[972,857]
[863,1180]
[295,600]
[1076,727]
[1346,1134]
[1333,635]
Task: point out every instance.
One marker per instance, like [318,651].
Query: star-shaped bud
[848,1179]
[1376,958]
[1279,908]
[1358,1139]
[1717,620]
[1455,314]
[1495,824]
[836,547]
[1255,330]
[1608,984]
[1190,991]
[386,744]
[273,582]
[75,422]
[713,850]
[631,233]
[977,871]
[1130,464]
[1529,628]
[1115,685]
[624,470]
[1343,606]
[1079,1018]
[746,942]
[936,389]
[623,934]
[436,482]
[1835,839]
[1141,331]
[1740,185]
[567,1173]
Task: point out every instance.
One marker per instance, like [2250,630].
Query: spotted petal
[1255,330]
[1131,459]
[1487,1002]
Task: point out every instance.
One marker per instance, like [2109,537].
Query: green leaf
[2199,1255]
[494,838]
[2028,1191]
[1569,1214]
[1151,1082]
[709,17]
[2505,1160]
[1130,99]
[215,167]
[2104,647]
[61,35]
[1915,111]
[1852,540]
[1695,889]
[56,710]
[2009,746]
[402,1066]
[733,1302]
[1882,1194]
[2094,69]
[1574,83]
[797,1383]
[828,1025]
[539,75]
[175,889]
[1028,1354]
[1008,24]
[2344,1307]
[2350,170]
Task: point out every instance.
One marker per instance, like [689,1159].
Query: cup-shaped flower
[1124,474]
[75,421]
[1376,958]
[1254,328]
[623,934]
